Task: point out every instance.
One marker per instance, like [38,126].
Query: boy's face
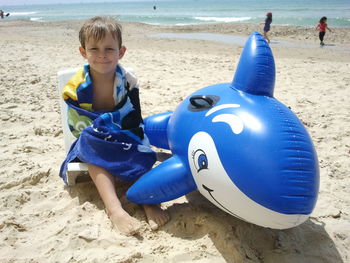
[103,56]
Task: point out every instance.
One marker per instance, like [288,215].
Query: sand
[42,220]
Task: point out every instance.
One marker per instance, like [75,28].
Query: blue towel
[105,144]
[113,140]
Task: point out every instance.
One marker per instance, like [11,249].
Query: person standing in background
[267,24]
[322,26]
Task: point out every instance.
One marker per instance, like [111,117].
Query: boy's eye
[95,49]
[110,50]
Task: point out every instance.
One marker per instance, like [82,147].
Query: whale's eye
[200,160]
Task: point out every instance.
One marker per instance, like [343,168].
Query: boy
[106,95]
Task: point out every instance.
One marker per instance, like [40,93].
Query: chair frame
[74,169]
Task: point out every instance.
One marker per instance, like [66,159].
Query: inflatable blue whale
[243,150]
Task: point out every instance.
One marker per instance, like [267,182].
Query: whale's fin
[167,181]
[156,129]
[255,73]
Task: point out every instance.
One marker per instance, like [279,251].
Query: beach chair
[75,169]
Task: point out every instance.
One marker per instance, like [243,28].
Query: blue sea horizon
[191,12]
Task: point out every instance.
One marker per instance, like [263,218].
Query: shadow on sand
[238,241]
[234,239]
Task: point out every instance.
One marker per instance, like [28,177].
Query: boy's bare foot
[156,216]
[125,223]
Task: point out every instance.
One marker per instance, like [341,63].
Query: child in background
[267,24]
[105,88]
[322,26]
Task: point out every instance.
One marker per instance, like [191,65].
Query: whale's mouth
[210,192]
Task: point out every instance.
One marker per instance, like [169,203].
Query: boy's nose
[102,53]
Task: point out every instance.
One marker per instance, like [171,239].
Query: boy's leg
[156,216]
[105,184]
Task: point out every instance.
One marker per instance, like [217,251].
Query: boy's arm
[135,101]
[133,90]
[131,78]
[134,118]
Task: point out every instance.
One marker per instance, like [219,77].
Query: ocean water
[184,12]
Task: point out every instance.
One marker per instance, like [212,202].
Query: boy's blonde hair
[97,27]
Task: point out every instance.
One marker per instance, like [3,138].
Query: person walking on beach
[3,15]
[322,27]
[267,24]
[106,96]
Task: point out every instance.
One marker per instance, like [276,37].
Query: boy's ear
[122,51]
[82,52]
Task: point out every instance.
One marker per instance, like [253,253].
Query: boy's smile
[103,55]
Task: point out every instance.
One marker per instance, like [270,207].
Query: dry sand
[42,220]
